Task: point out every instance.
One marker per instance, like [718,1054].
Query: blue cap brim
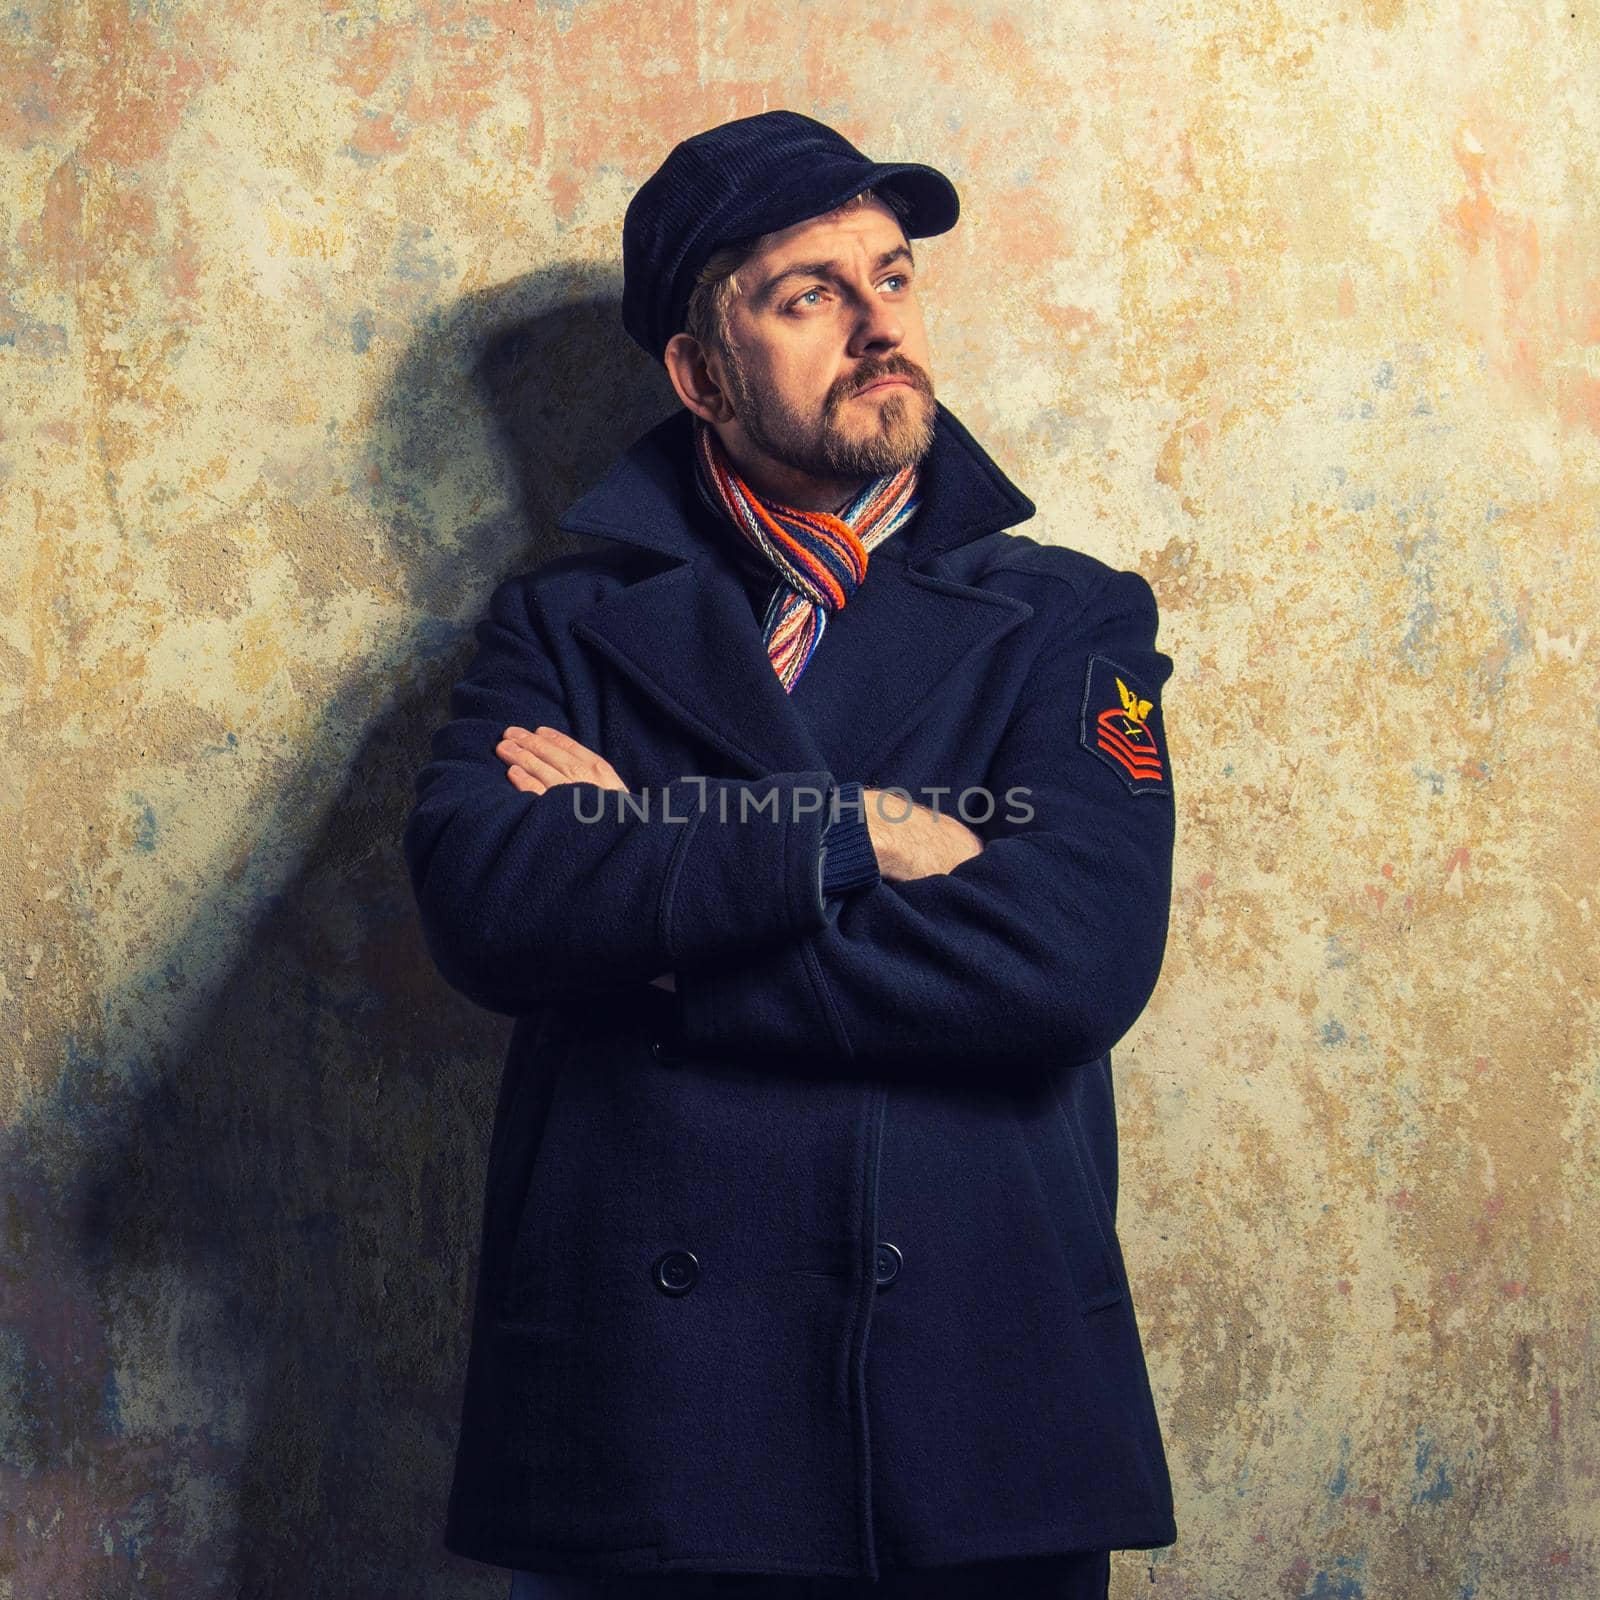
[935,205]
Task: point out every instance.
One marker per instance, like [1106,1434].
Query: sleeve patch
[1122,726]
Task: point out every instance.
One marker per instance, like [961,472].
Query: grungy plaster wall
[1296,310]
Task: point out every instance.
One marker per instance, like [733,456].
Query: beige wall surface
[308,329]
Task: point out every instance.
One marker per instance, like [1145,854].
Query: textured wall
[307,327]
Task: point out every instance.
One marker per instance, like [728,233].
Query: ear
[697,375]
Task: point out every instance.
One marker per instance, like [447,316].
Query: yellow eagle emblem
[1133,707]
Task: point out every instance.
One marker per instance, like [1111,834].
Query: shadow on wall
[277,1230]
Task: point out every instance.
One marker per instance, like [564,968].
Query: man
[799,1258]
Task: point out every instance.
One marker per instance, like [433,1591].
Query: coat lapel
[885,659]
[687,636]
[690,641]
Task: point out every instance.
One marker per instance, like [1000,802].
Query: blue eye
[800,299]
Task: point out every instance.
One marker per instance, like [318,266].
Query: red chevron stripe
[1111,725]
[1141,761]
[1134,752]
[1135,769]
[1144,763]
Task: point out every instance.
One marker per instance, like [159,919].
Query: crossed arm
[913,846]
[1042,944]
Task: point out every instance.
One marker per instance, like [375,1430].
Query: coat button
[676,1272]
[886,1268]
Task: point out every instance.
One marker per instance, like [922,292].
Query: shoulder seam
[1113,577]
[1039,561]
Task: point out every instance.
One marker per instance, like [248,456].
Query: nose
[879,326]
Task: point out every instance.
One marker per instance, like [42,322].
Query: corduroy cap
[751,176]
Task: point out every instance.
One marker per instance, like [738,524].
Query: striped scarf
[820,556]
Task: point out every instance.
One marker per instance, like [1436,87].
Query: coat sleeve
[524,898]
[1042,949]
[850,862]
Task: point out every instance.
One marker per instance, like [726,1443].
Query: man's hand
[541,759]
[915,844]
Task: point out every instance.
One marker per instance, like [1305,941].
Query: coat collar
[690,640]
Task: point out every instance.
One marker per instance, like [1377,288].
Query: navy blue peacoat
[810,1267]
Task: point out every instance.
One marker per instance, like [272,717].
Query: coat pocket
[1054,1150]
[1094,1202]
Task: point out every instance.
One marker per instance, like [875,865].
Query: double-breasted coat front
[810,1267]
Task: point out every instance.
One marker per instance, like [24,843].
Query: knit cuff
[848,859]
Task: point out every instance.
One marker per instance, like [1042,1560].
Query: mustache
[914,375]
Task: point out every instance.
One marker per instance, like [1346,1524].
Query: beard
[899,428]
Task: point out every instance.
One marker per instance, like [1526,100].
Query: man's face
[828,308]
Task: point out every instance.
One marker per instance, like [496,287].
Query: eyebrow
[827,269]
